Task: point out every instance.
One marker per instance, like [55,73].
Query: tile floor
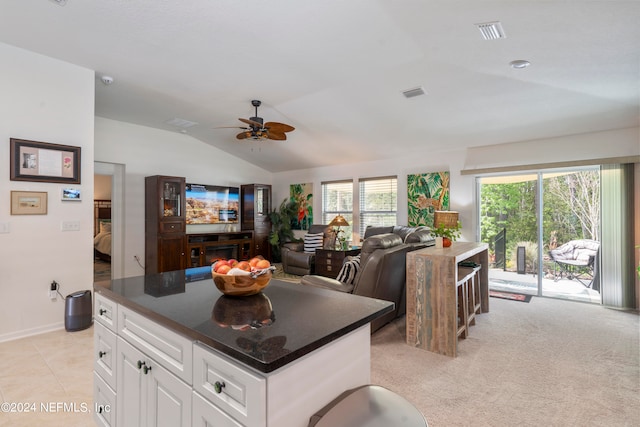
[51,374]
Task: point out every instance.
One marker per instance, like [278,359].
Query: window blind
[337,199]
[378,202]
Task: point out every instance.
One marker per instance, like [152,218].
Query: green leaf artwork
[426,193]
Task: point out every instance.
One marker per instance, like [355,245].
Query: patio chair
[576,259]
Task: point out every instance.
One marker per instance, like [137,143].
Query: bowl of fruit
[241,278]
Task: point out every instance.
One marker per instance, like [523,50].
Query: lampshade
[339,221]
[446,218]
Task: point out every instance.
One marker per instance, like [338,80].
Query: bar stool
[463,313]
[370,406]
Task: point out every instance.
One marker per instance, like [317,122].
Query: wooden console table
[432,297]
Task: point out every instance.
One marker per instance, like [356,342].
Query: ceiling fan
[259,130]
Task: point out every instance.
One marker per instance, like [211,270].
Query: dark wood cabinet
[165,224]
[255,205]
[329,262]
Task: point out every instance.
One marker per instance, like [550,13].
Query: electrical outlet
[53,290]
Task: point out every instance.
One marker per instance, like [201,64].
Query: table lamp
[338,222]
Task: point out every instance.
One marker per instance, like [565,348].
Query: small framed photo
[28,203]
[71,195]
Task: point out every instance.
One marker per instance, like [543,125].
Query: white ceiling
[336,69]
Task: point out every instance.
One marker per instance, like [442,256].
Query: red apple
[243,265]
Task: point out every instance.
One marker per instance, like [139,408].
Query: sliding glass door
[542,229]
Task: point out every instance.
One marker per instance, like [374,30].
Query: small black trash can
[78,311]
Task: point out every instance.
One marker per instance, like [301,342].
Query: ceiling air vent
[181,123]
[416,91]
[491,30]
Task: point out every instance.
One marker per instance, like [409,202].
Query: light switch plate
[4,227]
[70,226]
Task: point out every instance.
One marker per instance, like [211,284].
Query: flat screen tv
[212,204]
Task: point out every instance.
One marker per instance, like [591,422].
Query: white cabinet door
[168,399]
[130,385]
[148,394]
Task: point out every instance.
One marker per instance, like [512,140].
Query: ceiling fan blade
[243,135]
[230,127]
[278,127]
[251,123]
[278,136]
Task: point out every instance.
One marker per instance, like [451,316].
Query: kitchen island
[172,350]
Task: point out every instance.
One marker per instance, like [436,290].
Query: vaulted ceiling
[336,70]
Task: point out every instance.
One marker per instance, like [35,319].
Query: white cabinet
[235,390]
[148,394]
[156,377]
[104,362]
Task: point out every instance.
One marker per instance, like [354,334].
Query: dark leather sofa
[295,260]
[383,268]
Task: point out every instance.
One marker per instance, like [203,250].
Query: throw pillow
[105,227]
[349,270]
[312,241]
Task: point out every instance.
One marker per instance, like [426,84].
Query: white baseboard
[30,332]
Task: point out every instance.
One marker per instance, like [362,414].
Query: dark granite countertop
[265,331]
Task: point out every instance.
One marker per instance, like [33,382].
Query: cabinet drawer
[242,395]
[104,399]
[206,414]
[105,353]
[172,227]
[106,312]
[174,352]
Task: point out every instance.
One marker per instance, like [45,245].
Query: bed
[102,230]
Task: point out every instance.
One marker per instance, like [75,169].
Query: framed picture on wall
[71,195]
[28,203]
[44,162]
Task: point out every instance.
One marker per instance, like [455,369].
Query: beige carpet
[546,363]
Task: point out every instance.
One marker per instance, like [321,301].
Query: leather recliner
[295,260]
[382,273]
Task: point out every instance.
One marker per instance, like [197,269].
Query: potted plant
[281,221]
[447,233]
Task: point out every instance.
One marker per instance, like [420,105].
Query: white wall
[146,151]
[46,100]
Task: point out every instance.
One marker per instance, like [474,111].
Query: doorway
[112,174]
[528,219]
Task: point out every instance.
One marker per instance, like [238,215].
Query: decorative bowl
[241,285]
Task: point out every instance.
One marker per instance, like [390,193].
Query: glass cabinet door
[171,199]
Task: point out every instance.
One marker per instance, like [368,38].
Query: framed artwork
[302,195]
[71,195]
[28,203]
[426,193]
[44,162]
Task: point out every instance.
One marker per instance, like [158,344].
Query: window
[337,199]
[378,202]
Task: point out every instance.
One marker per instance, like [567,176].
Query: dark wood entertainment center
[169,247]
